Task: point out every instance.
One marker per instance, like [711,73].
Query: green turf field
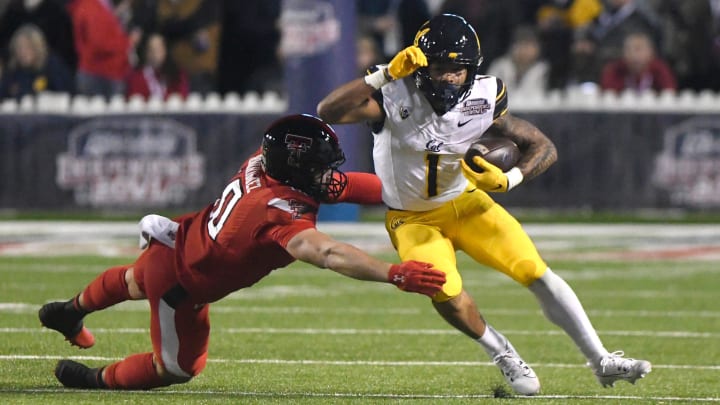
[305,335]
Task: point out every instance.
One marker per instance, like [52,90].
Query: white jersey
[417,153]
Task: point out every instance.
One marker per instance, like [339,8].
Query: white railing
[62,103]
[572,99]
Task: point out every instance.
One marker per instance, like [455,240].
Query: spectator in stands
[192,31]
[50,16]
[32,68]
[392,23]
[492,19]
[103,47]
[522,69]
[691,42]
[602,40]
[158,76]
[249,47]
[639,69]
[556,21]
[368,53]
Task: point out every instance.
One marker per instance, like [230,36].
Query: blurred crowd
[155,48]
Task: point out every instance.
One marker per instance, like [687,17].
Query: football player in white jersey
[425,108]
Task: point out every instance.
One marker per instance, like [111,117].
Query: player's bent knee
[451,289]
[526,272]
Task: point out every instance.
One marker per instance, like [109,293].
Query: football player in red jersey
[265,219]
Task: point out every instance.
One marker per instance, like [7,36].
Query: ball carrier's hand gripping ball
[490,164]
[500,152]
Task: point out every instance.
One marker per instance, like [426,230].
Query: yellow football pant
[473,223]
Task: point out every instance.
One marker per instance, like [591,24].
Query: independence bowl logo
[130,163]
[688,169]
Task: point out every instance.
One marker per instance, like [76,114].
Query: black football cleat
[76,375]
[64,318]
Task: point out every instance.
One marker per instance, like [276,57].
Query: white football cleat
[517,373]
[614,366]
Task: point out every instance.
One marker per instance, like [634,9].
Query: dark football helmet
[302,151]
[447,38]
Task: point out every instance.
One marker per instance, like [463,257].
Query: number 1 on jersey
[431,172]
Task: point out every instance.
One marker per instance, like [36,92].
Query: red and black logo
[296,146]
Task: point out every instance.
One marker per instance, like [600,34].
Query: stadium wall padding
[181,161]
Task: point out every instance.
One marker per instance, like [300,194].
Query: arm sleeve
[377,95]
[362,188]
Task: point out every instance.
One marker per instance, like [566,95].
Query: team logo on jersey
[295,208]
[433,145]
[298,209]
[396,222]
[475,106]
[296,146]
[404,112]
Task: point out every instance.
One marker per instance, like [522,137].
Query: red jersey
[241,238]
[657,76]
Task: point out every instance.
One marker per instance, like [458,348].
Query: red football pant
[179,328]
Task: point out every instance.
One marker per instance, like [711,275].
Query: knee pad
[452,288]
[527,271]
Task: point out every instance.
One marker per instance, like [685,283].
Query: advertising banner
[180,162]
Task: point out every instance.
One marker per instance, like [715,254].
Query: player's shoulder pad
[501,99]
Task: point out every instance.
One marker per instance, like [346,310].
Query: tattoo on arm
[538,151]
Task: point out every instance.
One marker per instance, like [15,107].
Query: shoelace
[509,360]
[615,359]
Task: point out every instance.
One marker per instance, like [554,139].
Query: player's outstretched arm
[319,249]
[538,151]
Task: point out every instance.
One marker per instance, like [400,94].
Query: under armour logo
[398,279]
[434,145]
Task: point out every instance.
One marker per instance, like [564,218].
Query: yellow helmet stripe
[419,34]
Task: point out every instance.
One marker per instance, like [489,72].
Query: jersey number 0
[230,196]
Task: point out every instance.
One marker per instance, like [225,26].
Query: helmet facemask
[441,95]
[447,39]
[326,183]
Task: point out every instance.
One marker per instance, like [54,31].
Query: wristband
[514,177]
[378,78]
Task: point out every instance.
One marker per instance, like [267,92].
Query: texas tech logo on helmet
[296,146]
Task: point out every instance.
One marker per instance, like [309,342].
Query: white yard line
[670,334]
[364,395]
[142,307]
[380,363]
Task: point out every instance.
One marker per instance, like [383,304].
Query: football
[500,151]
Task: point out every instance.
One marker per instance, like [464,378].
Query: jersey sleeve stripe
[281,204]
[501,100]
